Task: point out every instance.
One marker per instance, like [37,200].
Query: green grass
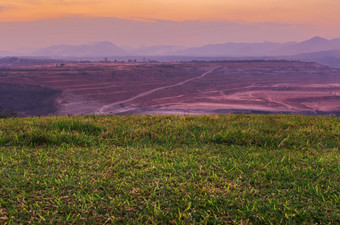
[242,169]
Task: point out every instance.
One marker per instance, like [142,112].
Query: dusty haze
[28,24]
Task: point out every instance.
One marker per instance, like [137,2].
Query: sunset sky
[121,21]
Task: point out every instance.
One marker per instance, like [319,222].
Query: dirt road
[105,108]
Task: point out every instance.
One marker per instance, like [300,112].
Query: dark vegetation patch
[176,131]
[51,132]
[22,61]
[30,100]
[7,113]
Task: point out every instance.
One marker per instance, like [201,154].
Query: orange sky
[40,23]
[320,12]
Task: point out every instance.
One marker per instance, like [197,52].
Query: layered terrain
[172,88]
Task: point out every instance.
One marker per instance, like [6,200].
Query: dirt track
[104,109]
[181,88]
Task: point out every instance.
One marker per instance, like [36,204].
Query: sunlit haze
[38,23]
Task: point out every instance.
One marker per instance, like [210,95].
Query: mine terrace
[170,88]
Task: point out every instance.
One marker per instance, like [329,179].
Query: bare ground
[182,88]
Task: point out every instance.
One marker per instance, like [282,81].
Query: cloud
[2,8]
[148,32]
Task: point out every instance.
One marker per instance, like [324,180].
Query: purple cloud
[79,30]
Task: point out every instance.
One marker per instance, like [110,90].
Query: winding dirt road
[105,108]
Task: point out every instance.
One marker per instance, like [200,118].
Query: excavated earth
[171,88]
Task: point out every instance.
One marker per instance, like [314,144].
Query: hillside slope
[170,170]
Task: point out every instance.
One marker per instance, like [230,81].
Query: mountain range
[315,49]
[265,48]
[100,49]
[108,49]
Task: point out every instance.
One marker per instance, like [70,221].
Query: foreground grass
[170,169]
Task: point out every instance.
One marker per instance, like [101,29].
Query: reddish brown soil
[172,88]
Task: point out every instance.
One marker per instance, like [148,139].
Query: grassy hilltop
[255,169]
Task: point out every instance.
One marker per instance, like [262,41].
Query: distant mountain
[91,50]
[156,50]
[330,53]
[264,49]
[315,44]
[7,53]
[235,49]
[329,58]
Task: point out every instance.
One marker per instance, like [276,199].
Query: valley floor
[288,87]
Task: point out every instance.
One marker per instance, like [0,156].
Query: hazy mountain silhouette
[315,44]
[264,49]
[8,53]
[235,49]
[330,53]
[329,58]
[100,49]
[156,50]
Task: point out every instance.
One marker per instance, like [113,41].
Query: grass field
[242,169]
